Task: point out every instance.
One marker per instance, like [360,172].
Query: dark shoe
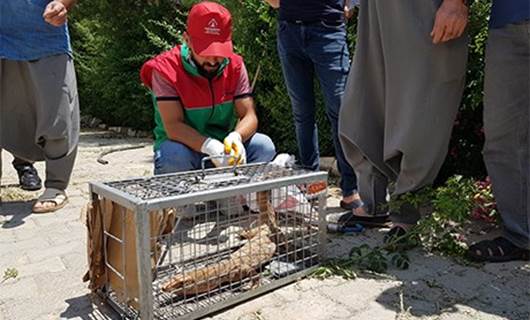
[351,205]
[28,178]
[496,250]
[351,220]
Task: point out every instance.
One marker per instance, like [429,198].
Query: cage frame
[141,208]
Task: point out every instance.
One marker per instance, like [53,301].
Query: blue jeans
[321,50]
[175,157]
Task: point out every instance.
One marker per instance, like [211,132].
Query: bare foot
[51,200]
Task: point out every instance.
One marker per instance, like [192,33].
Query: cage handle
[222,156]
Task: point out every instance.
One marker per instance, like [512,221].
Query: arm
[274,3]
[172,116]
[56,12]
[450,21]
[172,112]
[248,121]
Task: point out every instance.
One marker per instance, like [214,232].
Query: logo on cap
[212,28]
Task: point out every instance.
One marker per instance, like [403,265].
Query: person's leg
[298,74]
[373,189]
[362,117]
[58,171]
[373,185]
[422,96]
[19,162]
[176,157]
[18,121]
[260,148]
[56,109]
[28,177]
[57,116]
[506,126]
[329,52]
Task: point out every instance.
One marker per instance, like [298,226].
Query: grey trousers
[507,127]
[401,100]
[39,114]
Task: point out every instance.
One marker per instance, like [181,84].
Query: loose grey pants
[401,99]
[507,125]
[39,114]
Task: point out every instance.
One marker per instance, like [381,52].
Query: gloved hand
[235,148]
[214,148]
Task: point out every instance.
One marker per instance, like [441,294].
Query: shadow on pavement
[88,307]
[14,213]
[434,285]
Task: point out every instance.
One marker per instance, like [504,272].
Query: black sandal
[351,220]
[351,205]
[496,250]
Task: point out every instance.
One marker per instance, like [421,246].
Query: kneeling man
[204,105]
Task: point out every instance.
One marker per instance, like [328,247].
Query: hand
[348,13]
[214,148]
[450,22]
[55,13]
[235,148]
[349,8]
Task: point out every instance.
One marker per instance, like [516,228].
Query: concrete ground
[49,254]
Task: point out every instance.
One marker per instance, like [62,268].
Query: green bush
[112,39]
[111,42]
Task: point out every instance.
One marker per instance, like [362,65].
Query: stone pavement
[49,253]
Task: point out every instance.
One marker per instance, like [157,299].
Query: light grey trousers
[39,114]
[401,100]
[507,127]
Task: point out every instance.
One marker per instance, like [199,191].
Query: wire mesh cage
[184,245]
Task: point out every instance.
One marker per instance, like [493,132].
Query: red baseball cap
[209,27]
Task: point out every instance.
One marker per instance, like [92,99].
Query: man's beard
[208,73]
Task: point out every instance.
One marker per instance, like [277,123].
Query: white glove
[284,160]
[214,148]
[235,148]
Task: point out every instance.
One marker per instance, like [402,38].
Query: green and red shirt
[208,103]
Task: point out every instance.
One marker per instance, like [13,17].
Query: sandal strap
[496,248]
[52,194]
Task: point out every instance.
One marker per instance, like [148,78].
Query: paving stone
[6,237]
[57,294]
[19,309]
[47,266]
[49,251]
[65,235]
[467,313]
[20,247]
[68,248]
[374,310]
[20,288]
[465,283]
[251,307]
[18,227]
[356,294]
[56,218]
[312,307]
[15,260]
